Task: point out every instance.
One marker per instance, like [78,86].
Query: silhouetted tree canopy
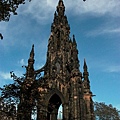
[7,111]
[9,6]
[10,97]
[106,112]
[12,94]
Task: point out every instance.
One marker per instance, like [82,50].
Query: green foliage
[106,112]
[7,111]
[19,96]
[10,97]
[11,93]
[9,6]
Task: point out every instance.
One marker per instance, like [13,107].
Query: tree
[9,6]
[106,112]
[20,97]
[10,98]
[7,111]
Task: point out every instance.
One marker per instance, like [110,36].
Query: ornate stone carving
[62,82]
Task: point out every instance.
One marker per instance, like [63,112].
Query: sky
[96,26]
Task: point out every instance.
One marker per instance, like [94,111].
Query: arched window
[54,107]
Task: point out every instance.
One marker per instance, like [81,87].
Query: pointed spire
[31,60]
[86,82]
[85,73]
[30,67]
[31,54]
[55,14]
[85,66]
[85,76]
[60,20]
[60,8]
[74,41]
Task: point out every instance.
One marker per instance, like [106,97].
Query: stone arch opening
[53,106]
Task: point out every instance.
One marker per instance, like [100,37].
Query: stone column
[65,111]
[54,114]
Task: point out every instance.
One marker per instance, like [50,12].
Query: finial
[74,41]
[55,14]
[30,67]
[85,75]
[85,65]
[32,52]
[73,38]
[60,8]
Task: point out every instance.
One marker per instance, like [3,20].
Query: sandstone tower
[62,82]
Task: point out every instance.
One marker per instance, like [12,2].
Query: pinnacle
[85,65]
[84,61]
[60,8]
[74,41]
[32,52]
[60,1]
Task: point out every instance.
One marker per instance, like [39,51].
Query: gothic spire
[32,54]
[85,73]
[85,66]
[30,67]
[75,53]
[87,93]
[60,8]
[60,21]
[74,41]
[86,81]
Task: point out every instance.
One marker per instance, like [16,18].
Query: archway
[53,106]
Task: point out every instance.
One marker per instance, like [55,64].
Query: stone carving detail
[62,82]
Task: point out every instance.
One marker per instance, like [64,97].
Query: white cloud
[40,10]
[99,6]
[104,65]
[115,30]
[113,69]
[5,75]
[104,30]
[43,9]
[22,62]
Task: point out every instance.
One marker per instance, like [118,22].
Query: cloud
[40,11]
[115,30]
[104,65]
[113,69]
[5,75]
[100,7]
[104,30]
[44,9]
[22,62]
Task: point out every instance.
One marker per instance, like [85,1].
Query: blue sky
[96,26]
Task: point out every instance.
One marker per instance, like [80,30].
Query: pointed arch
[51,93]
